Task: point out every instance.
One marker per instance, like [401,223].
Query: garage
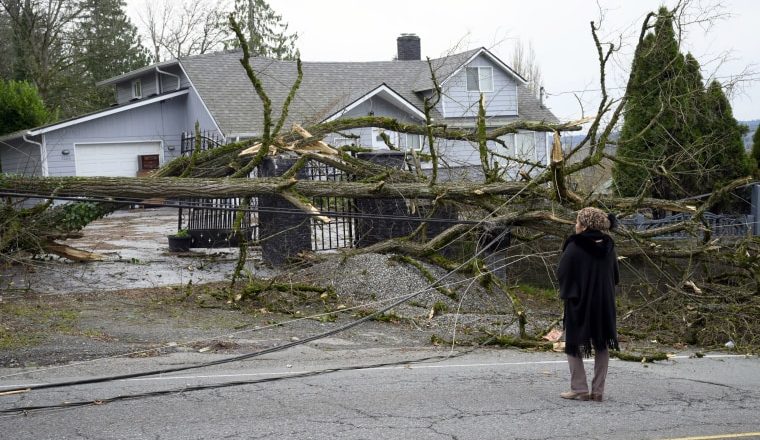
[116,159]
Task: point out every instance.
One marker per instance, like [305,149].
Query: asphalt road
[485,394]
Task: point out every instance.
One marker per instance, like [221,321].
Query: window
[479,79]
[136,89]
[409,141]
[525,146]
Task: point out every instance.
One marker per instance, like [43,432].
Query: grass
[440,307]
[26,325]
[10,339]
[538,292]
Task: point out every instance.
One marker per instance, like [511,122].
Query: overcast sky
[356,30]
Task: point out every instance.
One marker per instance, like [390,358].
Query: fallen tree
[541,206]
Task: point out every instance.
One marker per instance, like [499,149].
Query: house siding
[161,121]
[169,83]
[153,83]
[465,153]
[370,136]
[21,158]
[457,102]
[124,89]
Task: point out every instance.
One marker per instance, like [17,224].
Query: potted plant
[180,242]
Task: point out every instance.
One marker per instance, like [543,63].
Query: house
[158,103]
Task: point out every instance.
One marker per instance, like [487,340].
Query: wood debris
[279,146]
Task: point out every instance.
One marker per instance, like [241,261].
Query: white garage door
[116,159]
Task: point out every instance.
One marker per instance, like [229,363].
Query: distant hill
[571,140]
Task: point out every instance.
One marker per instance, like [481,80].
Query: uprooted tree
[706,289]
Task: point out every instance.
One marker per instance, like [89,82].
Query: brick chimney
[408,47]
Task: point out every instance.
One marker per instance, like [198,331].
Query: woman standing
[588,273]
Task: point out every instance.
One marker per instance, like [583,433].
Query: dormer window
[479,79]
[136,89]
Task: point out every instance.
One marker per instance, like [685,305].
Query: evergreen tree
[726,157]
[7,51]
[20,107]
[686,164]
[109,46]
[673,126]
[756,148]
[110,43]
[653,113]
[267,34]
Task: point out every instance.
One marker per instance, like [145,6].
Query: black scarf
[588,273]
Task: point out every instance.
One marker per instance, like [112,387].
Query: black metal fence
[720,225]
[211,222]
[207,141]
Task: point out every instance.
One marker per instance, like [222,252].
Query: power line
[257,209]
[260,352]
[498,238]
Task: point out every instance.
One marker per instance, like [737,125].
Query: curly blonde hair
[594,218]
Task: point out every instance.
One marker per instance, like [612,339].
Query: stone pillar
[282,235]
[373,230]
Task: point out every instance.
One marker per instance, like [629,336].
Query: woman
[588,273]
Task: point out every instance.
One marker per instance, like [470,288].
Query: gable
[381,101]
[492,60]
[501,95]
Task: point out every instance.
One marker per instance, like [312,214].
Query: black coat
[588,273]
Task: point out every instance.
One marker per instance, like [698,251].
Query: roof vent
[408,47]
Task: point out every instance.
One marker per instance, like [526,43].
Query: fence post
[282,235]
[756,209]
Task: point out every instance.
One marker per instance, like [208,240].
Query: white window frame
[480,85]
[525,145]
[341,141]
[136,89]
[404,143]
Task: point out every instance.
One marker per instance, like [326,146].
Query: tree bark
[178,187]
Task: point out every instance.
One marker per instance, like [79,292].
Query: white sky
[356,30]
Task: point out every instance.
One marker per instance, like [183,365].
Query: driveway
[135,254]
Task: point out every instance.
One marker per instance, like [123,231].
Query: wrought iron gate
[339,233]
[211,222]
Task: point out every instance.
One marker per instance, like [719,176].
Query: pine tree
[109,45]
[267,34]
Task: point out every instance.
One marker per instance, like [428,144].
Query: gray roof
[326,88]
[136,73]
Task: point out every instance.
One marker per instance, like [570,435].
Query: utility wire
[352,324]
[264,351]
[278,324]
[27,409]
[185,205]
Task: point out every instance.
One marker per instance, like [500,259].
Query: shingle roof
[326,87]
